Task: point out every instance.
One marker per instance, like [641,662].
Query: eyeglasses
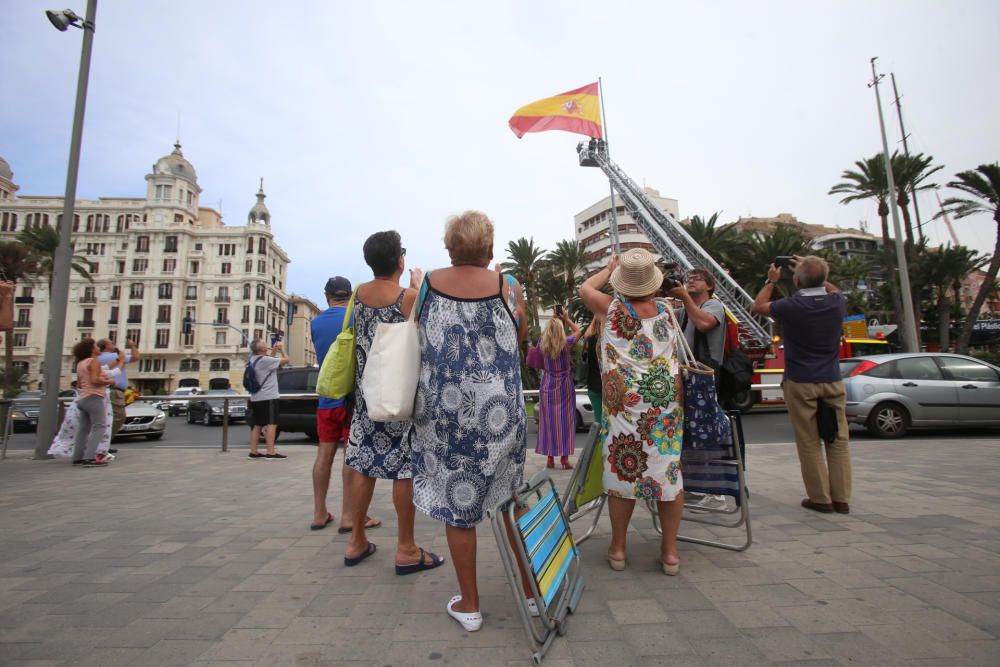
[402,252]
[696,276]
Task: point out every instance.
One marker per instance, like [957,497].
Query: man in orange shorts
[333,416]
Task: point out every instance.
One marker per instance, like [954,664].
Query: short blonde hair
[469,238]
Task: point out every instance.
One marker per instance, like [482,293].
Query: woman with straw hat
[642,421]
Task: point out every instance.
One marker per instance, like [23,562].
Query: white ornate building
[592,225]
[156,260]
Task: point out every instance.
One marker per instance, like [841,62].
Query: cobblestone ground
[175,557]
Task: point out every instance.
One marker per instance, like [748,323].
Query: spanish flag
[574,111]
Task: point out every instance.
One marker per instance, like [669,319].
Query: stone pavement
[175,557]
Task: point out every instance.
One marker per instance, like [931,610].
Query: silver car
[889,393]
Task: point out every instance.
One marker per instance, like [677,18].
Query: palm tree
[910,173]
[17,264]
[564,269]
[42,242]
[754,252]
[524,262]
[984,186]
[945,269]
[718,242]
[870,182]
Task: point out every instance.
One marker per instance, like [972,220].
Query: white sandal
[470,621]
[532,607]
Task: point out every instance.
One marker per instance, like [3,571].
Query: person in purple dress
[556,395]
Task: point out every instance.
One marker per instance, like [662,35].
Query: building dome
[259,212]
[5,170]
[176,165]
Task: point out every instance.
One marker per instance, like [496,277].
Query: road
[760,428]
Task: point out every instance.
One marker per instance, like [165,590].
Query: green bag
[593,473]
[336,375]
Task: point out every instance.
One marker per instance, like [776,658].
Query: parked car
[298,415]
[179,406]
[143,419]
[890,393]
[208,410]
[24,411]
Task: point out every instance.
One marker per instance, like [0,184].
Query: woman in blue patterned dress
[381,450]
[469,419]
[642,420]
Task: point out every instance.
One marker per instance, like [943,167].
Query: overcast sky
[391,115]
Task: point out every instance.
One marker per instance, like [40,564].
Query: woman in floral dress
[469,420]
[381,450]
[642,424]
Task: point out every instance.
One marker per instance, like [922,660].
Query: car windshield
[212,396]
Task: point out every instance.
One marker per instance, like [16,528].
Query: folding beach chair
[716,471]
[543,541]
[592,507]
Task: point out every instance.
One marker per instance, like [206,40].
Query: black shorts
[264,413]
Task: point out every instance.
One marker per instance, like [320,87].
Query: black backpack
[250,382]
[735,374]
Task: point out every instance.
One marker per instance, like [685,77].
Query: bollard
[225,424]
[6,423]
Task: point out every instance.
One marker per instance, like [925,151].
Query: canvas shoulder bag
[336,375]
[392,368]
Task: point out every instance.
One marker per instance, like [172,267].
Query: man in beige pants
[812,320]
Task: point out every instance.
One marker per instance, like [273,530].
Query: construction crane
[947,221]
[675,245]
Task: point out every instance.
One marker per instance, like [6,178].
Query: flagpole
[613,227]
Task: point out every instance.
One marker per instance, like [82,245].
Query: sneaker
[255,456]
[274,457]
[106,458]
[94,463]
[709,503]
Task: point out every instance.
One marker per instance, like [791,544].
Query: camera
[672,277]
[559,310]
[783,261]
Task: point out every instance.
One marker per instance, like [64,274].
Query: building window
[218,364]
[220,337]
[120,266]
[170,244]
[227,268]
[187,339]
[162,337]
[163,314]
[261,266]
[258,334]
[246,315]
[8,222]
[164,192]
[191,293]
[246,291]
[227,249]
[261,291]
[194,267]
[142,244]
[133,335]
[178,218]
[258,316]
[21,366]
[113,319]
[222,316]
[248,267]
[23,317]
[135,314]
[113,336]
[89,295]
[140,265]
[262,246]
[27,292]
[169,265]
[152,365]
[135,291]
[190,365]
[116,292]
[166,291]
[223,296]
[249,244]
[20,340]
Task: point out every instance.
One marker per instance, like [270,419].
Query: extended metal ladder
[674,244]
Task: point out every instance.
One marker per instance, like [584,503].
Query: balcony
[24,299]
[166,295]
[135,295]
[222,299]
[220,323]
[88,298]
[113,321]
[163,320]
[85,324]
[134,320]
[191,297]
[170,249]
[22,324]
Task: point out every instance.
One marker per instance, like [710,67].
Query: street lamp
[62,265]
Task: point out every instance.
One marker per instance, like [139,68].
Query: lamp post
[62,265]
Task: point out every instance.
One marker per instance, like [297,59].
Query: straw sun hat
[636,274]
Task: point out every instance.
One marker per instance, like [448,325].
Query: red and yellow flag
[574,111]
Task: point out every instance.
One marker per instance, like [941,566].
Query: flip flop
[420,565]
[321,526]
[351,562]
[369,524]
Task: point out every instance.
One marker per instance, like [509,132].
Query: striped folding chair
[532,530]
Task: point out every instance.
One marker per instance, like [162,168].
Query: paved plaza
[176,557]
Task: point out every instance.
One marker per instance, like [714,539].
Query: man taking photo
[702,317]
[812,381]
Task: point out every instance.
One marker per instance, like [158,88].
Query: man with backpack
[260,379]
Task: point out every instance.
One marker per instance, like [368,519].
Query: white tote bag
[389,381]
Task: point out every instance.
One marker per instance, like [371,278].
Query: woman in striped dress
[556,396]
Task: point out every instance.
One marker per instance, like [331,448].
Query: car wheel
[888,420]
[579,421]
[154,436]
[190,417]
[206,418]
[742,401]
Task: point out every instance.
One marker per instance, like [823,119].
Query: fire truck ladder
[674,244]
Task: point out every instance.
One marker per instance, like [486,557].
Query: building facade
[299,347]
[593,223]
[156,260]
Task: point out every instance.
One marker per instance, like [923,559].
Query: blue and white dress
[469,422]
[376,449]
